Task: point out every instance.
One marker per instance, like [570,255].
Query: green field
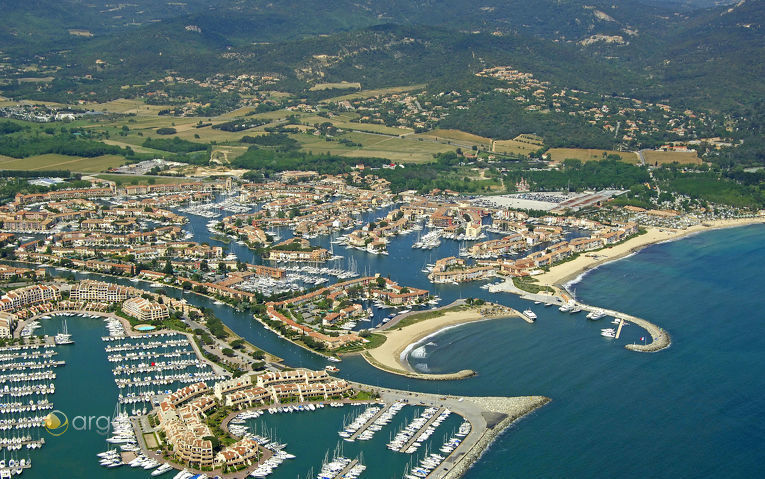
[557,155]
[665,157]
[457,135]
[62,162]
[406,150]
[520,145]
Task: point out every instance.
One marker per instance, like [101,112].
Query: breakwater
[660,338]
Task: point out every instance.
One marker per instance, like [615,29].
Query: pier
[346,469]
[31,365]
[619,329]
[424,427]
[369,422]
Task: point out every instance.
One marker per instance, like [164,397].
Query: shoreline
[569,271]
[391,355]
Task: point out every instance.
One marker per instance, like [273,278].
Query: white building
[144,310]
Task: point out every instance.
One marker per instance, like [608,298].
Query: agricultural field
[124,105]
[344,85]
[62,162]
[663,157]
[405,150]
[557,155]
[458,137]
[243,111]
[371,93]
[345,122]
[520,145]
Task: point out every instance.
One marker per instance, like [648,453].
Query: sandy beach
[388,355]
[562,273]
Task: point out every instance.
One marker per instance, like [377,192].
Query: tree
[168,269]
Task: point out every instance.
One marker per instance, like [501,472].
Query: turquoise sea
[693,410]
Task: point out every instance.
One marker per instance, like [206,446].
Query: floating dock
[425,426]
[619,329]
[369,423]
[346,469]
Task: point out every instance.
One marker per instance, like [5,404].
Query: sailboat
[64,337]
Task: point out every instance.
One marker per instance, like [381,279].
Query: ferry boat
[530,314]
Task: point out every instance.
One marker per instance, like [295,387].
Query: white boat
[63,337]
[530,314]
[595,315]
[608,333]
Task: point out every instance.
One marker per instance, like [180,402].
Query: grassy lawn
[375,340]
[54,161]
[529,284]
[416,318]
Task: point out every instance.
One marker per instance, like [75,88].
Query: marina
[174,365]
[27,387]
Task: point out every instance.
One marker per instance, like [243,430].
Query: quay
[424,427]
[370,422]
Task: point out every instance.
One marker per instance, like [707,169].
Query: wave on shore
[419,353]
[415,349]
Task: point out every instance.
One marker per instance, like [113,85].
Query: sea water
[693,410]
